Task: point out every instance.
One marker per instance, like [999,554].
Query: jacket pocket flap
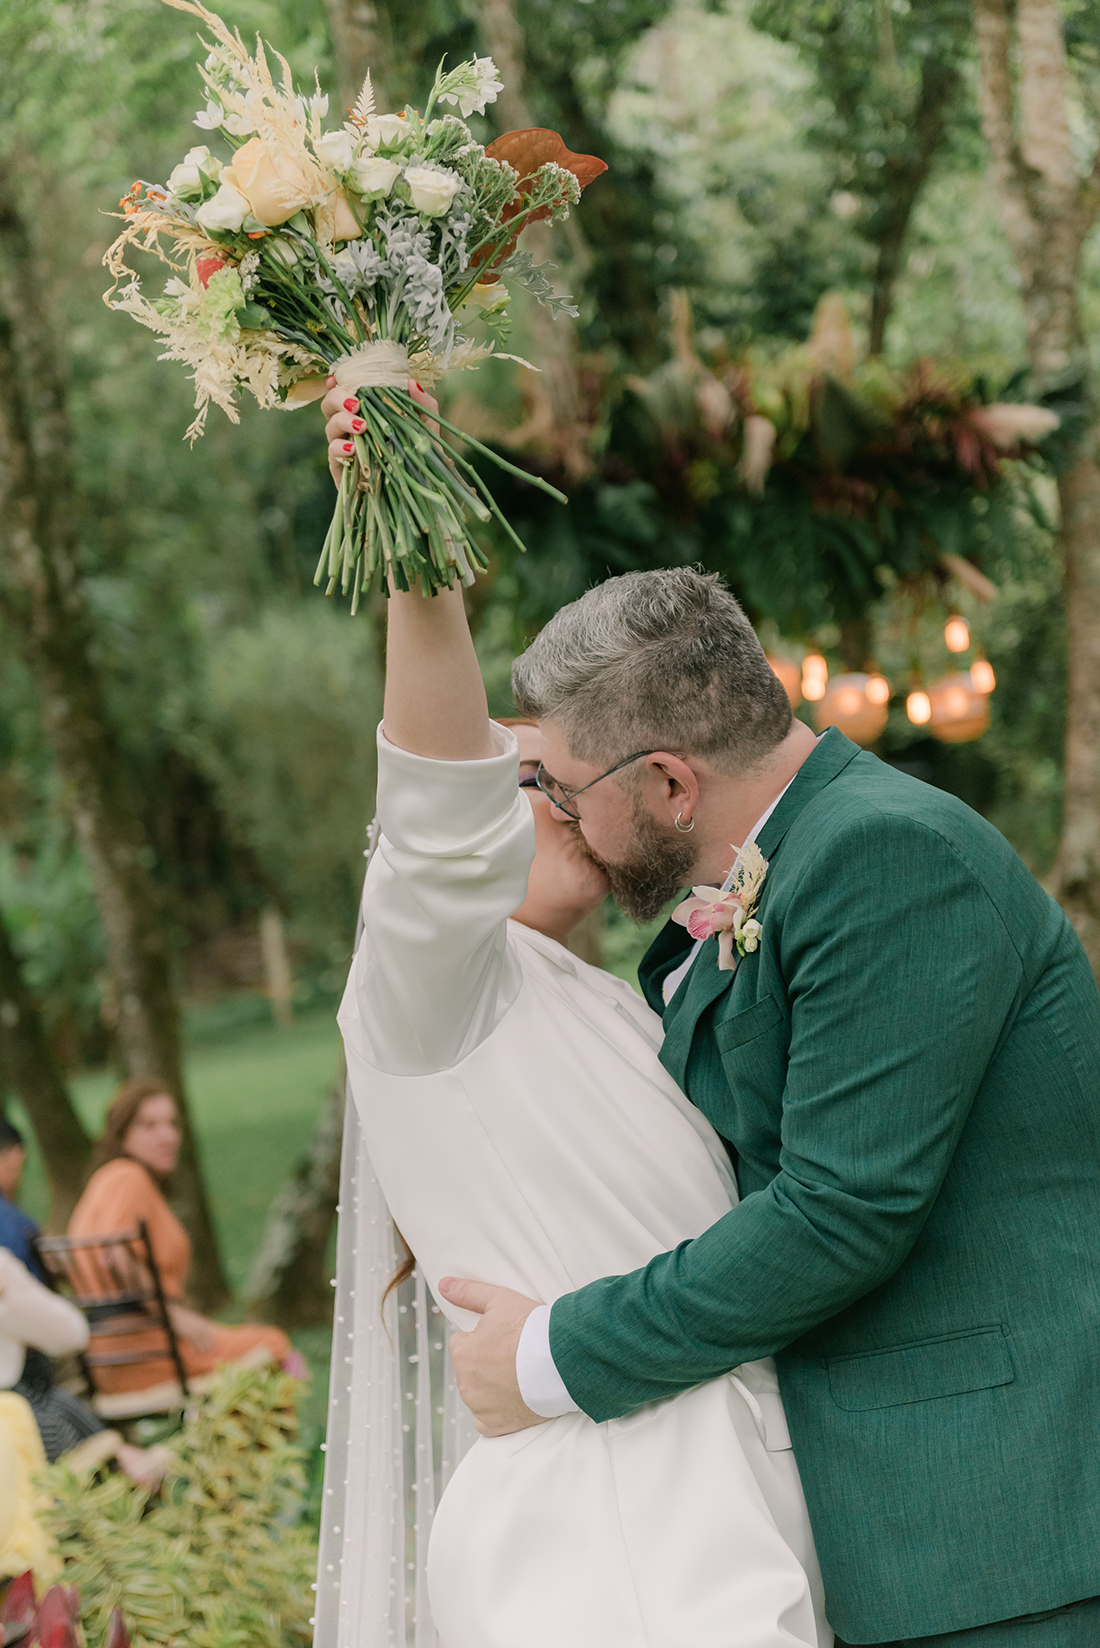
[744,1026]
[948,1366]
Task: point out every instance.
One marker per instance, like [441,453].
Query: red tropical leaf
[55,1622]
[527,150]
[117,1634]
[19,1603]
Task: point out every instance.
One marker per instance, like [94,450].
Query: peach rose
[345,225]
[272,182]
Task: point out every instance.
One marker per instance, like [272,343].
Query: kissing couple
[776,1293]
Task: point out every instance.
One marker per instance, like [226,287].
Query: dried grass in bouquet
[373,252]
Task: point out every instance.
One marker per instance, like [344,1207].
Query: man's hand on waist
[485,1359]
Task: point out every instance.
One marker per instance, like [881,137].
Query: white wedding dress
[523,1132]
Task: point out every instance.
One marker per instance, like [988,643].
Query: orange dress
[116,1196]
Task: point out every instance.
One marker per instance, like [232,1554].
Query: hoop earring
[684,829]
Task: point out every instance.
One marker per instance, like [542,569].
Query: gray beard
[657,866]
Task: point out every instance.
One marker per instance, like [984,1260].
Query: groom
[907,1071]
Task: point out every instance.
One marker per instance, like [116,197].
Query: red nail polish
[351,406]
[349,446]
[357,424]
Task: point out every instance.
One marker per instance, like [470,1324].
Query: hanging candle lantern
[982,678]
[847,705]
[959,711]
[815,677]
[791,677]
[956,634]
[918,707]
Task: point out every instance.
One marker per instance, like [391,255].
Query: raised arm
[435,699]
[431,974]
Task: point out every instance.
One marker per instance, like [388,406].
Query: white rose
[187,174]
[373,175]
[225,210]
[384,130]
[335,149]
[432,189]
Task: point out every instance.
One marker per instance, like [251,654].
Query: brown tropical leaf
[527,150]
[533,146]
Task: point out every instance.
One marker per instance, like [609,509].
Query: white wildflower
[313,108]
[247,270]
[471,86]
[210,118]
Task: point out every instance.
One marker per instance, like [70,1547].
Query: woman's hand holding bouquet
[371,256]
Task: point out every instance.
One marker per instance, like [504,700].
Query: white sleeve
[540,1384]
[31,1315]
[433,975]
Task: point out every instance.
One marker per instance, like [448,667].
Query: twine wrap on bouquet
[380,365]
[404,489]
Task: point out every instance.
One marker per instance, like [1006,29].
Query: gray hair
[655,660]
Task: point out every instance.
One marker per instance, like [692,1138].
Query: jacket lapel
[705,983]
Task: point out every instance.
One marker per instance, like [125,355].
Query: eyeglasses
[561,796]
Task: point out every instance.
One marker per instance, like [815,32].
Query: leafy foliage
[219,1561]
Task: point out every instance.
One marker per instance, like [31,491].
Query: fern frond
[364,103]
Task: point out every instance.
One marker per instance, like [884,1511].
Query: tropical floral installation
[373,252]
[813,483]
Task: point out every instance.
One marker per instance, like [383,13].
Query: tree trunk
[1048,209]
[359,45]
[28,1065]
[1077,872]
[289,1283]
[43,599]
[940,85]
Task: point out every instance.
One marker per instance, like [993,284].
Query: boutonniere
[728,916]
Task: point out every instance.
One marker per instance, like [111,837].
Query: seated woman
[139,1149]
[36,1324]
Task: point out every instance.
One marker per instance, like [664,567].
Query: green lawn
[254,1093]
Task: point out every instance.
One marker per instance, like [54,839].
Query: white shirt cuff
[540,1384]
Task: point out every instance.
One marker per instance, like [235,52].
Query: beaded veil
[397,1427]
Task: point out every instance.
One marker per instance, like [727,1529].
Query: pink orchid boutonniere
[728,916]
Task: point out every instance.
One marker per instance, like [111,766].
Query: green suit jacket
[908,1073]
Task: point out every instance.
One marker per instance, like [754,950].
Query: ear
[672,786]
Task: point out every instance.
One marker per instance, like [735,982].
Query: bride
[519,1125]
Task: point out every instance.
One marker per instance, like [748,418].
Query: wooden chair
[115,1281]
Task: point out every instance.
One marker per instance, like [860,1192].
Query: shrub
[219,1560]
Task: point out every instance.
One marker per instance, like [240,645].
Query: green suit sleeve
[900,976]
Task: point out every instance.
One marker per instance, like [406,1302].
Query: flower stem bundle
[373,253]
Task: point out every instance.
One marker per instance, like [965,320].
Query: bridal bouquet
[373,253]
